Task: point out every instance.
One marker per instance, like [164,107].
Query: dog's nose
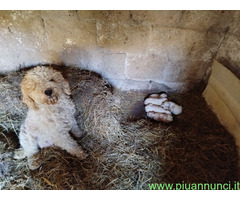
[48,92]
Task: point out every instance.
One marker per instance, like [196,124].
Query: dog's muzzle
[48,92]
[52,97]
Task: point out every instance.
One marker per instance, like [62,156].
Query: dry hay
[126,152]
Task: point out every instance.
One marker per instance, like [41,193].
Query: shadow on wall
[90,58]
[112,66]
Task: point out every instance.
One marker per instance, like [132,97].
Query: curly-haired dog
[50,116]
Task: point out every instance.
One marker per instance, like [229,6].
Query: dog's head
[43,85]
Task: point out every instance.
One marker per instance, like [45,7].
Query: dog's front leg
[65,142]
[75,130]
[29,149]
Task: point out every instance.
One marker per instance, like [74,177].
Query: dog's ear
[30,102]
[26,87]
[66,88]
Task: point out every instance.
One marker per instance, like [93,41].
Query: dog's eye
[52,80]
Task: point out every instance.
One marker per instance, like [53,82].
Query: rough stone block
[25,27]
[114,65]
[184,70]
[105,15]
[206,20]
[198,20]
[120,37]
[22,40]
[144,86]
[180,44]
[88,14]
[164,18]
[173,42]
[65,29]
[153,86]
[234,28]
[228,54]
[147,66]
[182,86]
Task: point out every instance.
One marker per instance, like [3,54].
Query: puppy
[50,116]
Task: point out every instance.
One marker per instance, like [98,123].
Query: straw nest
[126,152]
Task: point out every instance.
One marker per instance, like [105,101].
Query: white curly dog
[50,116]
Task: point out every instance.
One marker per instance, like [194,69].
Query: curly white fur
[50,116]
[160,108]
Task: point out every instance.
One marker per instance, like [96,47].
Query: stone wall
[142,50]
[229,52]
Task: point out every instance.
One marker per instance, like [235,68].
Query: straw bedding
[127,150]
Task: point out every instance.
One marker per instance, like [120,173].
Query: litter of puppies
[160,107]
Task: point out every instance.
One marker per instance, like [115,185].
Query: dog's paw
[19,154]
[34,162]
[77,133]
